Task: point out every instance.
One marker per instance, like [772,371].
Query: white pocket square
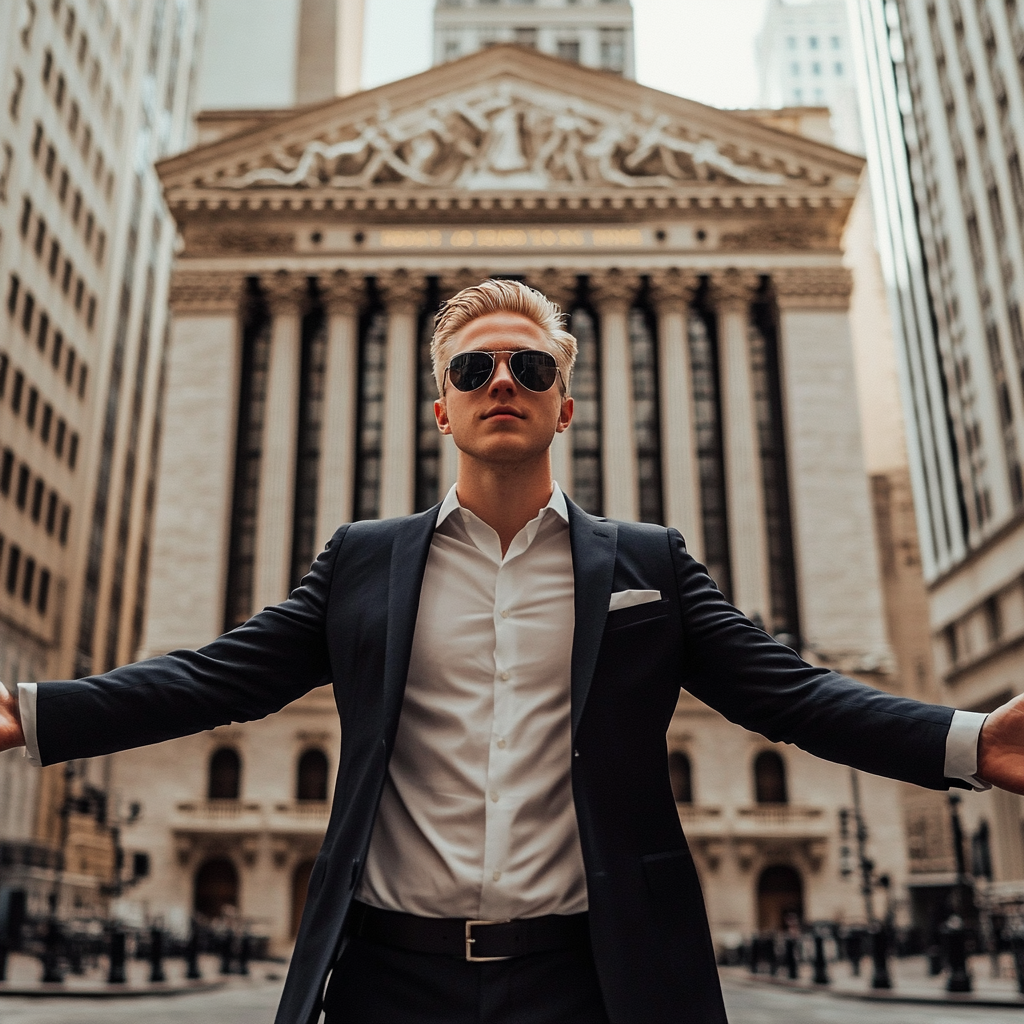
[628,598]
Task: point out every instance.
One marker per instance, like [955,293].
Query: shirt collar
[556,503]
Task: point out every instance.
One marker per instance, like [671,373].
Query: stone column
[402,294]
[748,546]
[612,293]
[561,287]
[672,292]
[192,518]
[840,593]
[286,295]
[342,294]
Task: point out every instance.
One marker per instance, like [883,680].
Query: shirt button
[504,613]
[494,796]
[496,876]
[506,676]
[501,744]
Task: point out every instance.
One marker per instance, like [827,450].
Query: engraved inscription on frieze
[507,135]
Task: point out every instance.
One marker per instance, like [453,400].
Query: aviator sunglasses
[535,370]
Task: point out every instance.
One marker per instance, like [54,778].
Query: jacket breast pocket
[637,615]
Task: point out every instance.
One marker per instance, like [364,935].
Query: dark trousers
[375,984]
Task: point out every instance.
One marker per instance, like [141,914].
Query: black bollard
[1017,949]
[755,953]
[226,952]
[956,950]
[934,960]
[117,974]
[74,950]
[156,955]
[244,954]
[192,971]
[3,958]
[820,965]
[854,951]
[792,970]
[771,955]
[880,977]
[53,974]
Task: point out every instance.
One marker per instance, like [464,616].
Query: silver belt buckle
[470,940]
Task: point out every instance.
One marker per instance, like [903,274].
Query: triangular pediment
[508,120]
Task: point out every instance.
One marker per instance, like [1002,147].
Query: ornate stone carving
[560,286]
[451,283]
[776,236]
[400,290]
[812,287]
[613,289]
[506,135]
[285,292]
[673,288]
[220,243]
[342,292]
[733,287]
[193,292]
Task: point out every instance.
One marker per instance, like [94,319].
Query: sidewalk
[23,973]
[911,983]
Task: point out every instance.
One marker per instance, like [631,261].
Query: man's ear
[441,415]
[564,415]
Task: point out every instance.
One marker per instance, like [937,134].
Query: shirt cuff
[962,748]
[27,710]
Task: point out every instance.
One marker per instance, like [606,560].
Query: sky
[701,49]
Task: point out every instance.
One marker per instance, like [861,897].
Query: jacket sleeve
[750,678]
[259,667]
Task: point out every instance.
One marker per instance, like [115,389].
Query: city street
[254,1004]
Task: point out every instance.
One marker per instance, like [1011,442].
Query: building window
[58,95]
[613,49]
[812,42]
[816,67]
[305,542]
[44,427]
[31,407]
[248,456]
[28,308]
[707,410]
[585,435]
[51,514]
[225,775]
[215,888]
[646,414]
[15,104]
[65,522]
[311,777]
[37,139]
[12,294]
[569,49]
[770,778]
[4,363]
[6,158]
[28,580]
[43,593]
[372,354]
[21,491]
[73,450]
[993,618]
[791,42]
[38,490]
[13,565]
[17,391]
[526,37]
[681,777]
[838,68]
[836,42]
[6,471]
[47,66]
[26,216]
[794,69]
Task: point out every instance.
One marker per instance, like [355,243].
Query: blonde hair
[502,296]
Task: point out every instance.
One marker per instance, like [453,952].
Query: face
[502,422]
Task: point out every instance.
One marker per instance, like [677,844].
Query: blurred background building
[94,92]
[595,33]
[943,109]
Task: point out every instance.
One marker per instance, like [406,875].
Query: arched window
[216,887]
[311,781]
[680,776]
[225,774]
[770,778]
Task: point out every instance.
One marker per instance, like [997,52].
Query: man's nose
[502,379]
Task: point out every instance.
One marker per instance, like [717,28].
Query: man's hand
[1001,747]
[11,734]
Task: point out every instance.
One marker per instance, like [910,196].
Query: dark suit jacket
[350,623]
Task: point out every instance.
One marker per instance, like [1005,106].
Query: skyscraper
[596,33]
[94,93]
[943,103]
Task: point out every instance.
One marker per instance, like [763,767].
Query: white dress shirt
[477,817]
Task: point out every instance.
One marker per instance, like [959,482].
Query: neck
[505,497]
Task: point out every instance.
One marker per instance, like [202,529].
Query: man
[504,844]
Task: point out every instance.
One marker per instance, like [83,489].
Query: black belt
[468,939]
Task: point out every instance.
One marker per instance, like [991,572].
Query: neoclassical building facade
[697,255]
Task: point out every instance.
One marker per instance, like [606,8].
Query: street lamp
[956,936]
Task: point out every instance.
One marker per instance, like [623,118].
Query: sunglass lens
[534,370]
[470,370]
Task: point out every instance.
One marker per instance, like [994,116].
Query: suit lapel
[593,566]
[409,553]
